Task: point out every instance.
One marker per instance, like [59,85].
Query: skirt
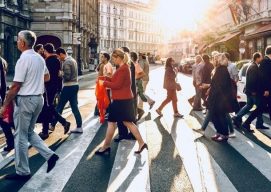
[121,110]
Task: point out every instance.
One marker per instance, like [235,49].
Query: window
[259,45]
[102,20]
[121,12]
[268,41]
[108,32]
[121,23]
[115,10]
[108,21]
[108,8]
[115,22]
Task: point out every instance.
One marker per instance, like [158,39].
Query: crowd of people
[216,85]
[46,80]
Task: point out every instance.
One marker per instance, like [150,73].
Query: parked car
[239,64]
[186,65]
[241,96]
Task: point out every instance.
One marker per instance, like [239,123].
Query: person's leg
[133,128]
[197,99]
[174,101]
[140,90]
[64,97]
[8,134]
[109,135]
[123,131]
[206,121]
[246,108]
[229,122]
[166,101]
[73,99]
[34,139]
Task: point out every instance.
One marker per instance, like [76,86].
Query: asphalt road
[178,159]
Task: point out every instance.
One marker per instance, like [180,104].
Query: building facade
[129,23]
[67,23]
[14,17]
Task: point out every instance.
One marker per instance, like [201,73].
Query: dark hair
[49,47]
[134,56]
[168,62]
[268,50]
[228,56]
[107,56]
[38,47]
[60,50]
[256,56]
[206,58]
[125,49]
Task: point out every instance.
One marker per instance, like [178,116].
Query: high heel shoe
[107,150]
[142,148]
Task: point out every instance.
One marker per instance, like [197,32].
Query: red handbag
[8,113]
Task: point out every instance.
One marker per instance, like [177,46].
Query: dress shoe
[237,121]
[152,104]
[106,151]
[52,162]
[159,112]
[215,136]
[8,148]
[178,115]
[221,138]
[77,130]
[262,127]
[142,148]
[43,136]
[15,176]
[247,127]
[67,127]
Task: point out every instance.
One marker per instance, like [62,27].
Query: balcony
[255,18]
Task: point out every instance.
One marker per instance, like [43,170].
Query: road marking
[253,153]
[70,153]
[130,171]
[203,171]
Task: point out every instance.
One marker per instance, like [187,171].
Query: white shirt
[108,70]
[30,70]
[233,71]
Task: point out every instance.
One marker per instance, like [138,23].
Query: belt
[29,95]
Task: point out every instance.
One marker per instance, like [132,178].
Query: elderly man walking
[27,90]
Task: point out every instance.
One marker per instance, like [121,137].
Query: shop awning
[229,37]
[260,31]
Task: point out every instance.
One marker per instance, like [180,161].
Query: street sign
[77,37]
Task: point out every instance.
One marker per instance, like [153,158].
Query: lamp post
[79,45]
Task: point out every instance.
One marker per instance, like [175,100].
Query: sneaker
[152,104]
[77,130]
[67,127]
[159,112]
[43,136]
[232,135]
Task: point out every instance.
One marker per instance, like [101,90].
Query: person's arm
[12,93]
[117,82]
[67,71]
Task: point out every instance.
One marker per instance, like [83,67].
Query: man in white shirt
[27,90]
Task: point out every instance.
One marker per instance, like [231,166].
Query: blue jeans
[251,100]
[69,93]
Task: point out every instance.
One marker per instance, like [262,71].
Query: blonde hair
[121,54]
[221,60]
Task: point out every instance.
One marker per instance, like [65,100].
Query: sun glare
[177,15]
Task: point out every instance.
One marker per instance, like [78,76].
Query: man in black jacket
[206,75]
[254,90]
[265,69]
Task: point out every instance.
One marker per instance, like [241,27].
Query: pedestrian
[144,64]
[220,99]
[27,89]
[105,69]
[123,131]
[40,50]
[52,88]
[6,126]
[265,70]
[121,108]
[69,91]
[170,86]
[255,91]
[139,74]
[206,76]
[197,69]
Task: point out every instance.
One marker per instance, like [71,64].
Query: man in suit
[265,69]
[254,90]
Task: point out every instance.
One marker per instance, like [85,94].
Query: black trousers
[6,127]
[220,122]
[260,101]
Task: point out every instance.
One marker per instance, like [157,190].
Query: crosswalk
[133,173]
[178,159]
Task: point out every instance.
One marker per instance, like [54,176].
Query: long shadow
[35,162]
[165,167]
